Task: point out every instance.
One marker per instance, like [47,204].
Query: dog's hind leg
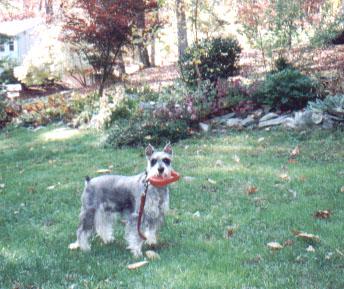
[104,224]
[85,230]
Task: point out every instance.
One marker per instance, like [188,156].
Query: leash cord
[142,207]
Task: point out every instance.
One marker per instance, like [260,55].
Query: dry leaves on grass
[231,231]
[325,214]
[103,171]
[211,181]
[250,190]
[236,159]
[284,177]
[310,248]
[288,243]
[137,265]
[295,152]
[274,246]
[306,236]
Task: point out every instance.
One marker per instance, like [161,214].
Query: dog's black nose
[161,170]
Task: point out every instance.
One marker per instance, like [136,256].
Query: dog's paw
[108,240]
[137,253]
[74,246]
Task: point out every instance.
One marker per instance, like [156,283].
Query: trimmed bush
[332,104]
[287,89]
[139,132]
[215,58]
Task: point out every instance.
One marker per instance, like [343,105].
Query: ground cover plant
[242,191]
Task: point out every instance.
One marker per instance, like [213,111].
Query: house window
[11,45]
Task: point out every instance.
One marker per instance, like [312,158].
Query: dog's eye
[167,161]
[153,162]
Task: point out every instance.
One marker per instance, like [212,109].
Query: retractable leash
[156,182]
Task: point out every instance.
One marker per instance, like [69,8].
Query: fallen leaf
[51,188]
[212,181]
[302,178]
[340,253]
[293,193]
[197,214]
[310,248]
[51,162]
[274,246]
[137,265]
[284,177]
[2,186]
[261,139]
[342,189]
[288,242]
[103,171]
[230,231]
[236,159]
[250,190]
[188,179]
[151,255]
[322,214]
[306,236]
[328,255]
[219,163]
[295,152]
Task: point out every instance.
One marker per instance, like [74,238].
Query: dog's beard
[153,172]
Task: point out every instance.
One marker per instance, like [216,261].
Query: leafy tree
[277,24]
[182,28]
[101,28]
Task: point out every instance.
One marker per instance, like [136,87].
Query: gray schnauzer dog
[106,195]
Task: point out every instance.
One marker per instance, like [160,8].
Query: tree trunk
[182,28]
[152,55]
[143,52]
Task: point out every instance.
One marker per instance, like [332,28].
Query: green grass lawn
[42,176]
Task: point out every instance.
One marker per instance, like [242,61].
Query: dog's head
[159,163]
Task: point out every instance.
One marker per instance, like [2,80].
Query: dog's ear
[149,151]
[168,149]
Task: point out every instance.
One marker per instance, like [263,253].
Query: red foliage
[100,28]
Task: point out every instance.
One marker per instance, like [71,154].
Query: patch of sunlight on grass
[11,254]
[59,134]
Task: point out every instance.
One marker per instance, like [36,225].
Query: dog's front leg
[132,237]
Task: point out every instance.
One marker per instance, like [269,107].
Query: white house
[20,35]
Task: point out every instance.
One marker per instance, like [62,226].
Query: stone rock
[303,119]
[204,127]
[328,123]
[317,118]
[275,121]
[248,121]
[223,118]
[268,116]
[234,123]
[257,113]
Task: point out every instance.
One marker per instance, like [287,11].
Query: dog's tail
[87,180]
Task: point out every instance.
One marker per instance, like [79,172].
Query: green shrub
[281,63]
[140,131]
[286,89]
[6,76]
[332,104]
[215,58]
